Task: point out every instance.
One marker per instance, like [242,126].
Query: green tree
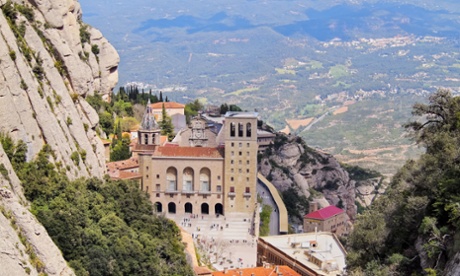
[421,203]
[192,109]
[166,125]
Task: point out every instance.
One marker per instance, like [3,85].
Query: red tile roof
[168,105]
[127,175]
[325,213]
[123,165]
[258,271]
[189,152]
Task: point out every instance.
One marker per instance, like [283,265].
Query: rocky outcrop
[46,71]
[49,62]
[290,163]
[25,246]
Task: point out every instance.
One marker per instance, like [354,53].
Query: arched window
[219,209]
[205,209]
[240,130]
[232,129]
[153,139]
[248,130]
[171,208]
[187,180]
[146,138]
[158,207]
[188,208]
[205,176]
[171,179]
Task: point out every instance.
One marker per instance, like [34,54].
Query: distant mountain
[294,61]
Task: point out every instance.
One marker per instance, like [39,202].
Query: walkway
[224,241]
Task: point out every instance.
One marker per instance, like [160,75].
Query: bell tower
[240,162]
[149,132]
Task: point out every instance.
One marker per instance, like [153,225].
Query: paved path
[267,199]
[224,241]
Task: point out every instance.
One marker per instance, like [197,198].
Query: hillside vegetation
[102,227]
[414,227]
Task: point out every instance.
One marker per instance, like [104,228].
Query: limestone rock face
[15,221]
[49,63]
[42,93]
[293,164]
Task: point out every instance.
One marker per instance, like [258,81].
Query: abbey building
[208,169]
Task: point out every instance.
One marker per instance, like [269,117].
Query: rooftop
[325,213]
[168,105]
[123,165]
[307,247]
[239,114]
[189,152]
[258,271]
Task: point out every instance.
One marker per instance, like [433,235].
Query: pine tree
[166,125]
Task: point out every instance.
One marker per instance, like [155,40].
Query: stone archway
[188,208]
[204,209]
[172,208]
[219,209]
[158,207]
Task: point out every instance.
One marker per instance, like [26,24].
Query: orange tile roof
[123,165]
[201,270]
[189,152]
[128,175]
[258,271]
[168,105]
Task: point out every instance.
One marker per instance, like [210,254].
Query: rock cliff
[49,62]
[291,163]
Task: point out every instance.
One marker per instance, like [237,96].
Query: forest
[414,227]
[102,227]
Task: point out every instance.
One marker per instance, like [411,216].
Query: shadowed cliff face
[290,163]
[49,62]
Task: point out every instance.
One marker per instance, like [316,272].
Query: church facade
[202,171]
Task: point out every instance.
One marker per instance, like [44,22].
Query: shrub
[13,55]
[85,36]
[75,157]
[95,49]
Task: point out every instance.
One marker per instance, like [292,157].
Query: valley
[306,60]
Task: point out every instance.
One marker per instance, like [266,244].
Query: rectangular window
[171,185]
[247,170]
[248,190]
[219,188]
[240,153]
[158,187]
[218,177]
[158,176]
[240,144]
[232,189]
[188,185]
[204,186]
[248,145]
[247,162]
[233,144]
